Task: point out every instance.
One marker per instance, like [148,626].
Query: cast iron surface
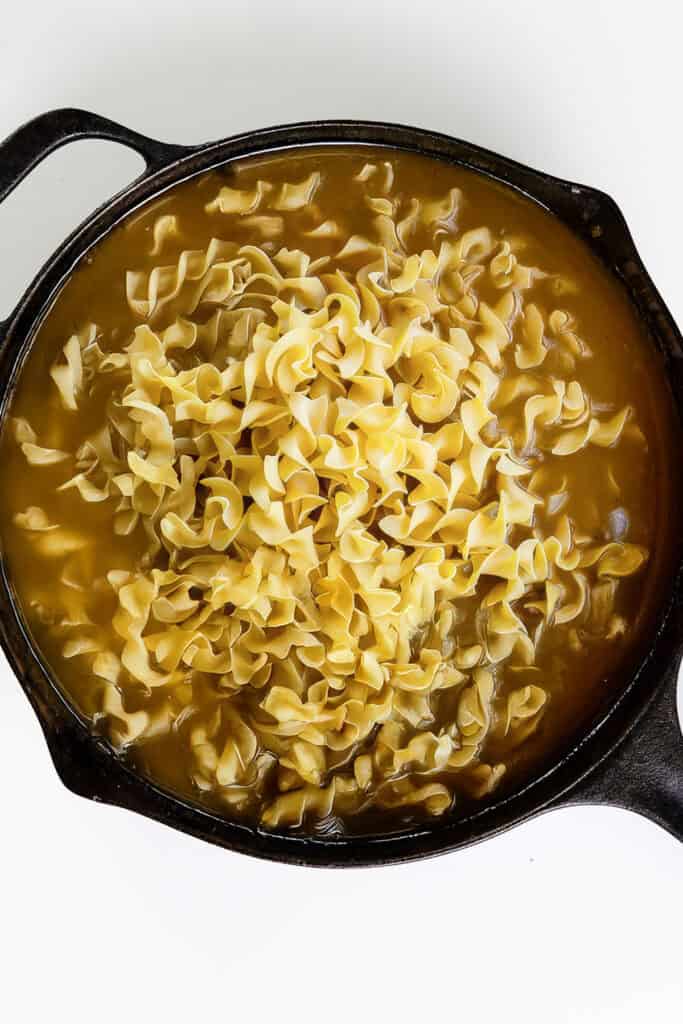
[631,756]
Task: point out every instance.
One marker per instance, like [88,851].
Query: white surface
[108,917]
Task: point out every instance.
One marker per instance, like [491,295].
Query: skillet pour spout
[630,756]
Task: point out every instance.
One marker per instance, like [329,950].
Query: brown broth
[624,369]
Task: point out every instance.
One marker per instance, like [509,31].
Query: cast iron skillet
[630,756]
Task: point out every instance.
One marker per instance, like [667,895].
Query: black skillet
[630,755]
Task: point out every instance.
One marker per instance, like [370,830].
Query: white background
[104,916]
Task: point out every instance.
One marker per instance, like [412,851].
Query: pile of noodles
[337,465]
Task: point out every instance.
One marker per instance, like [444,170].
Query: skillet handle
[645,772]
[28,145]
[24,149]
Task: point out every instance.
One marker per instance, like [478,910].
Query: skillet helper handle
[645,773]
[27,146]
[24,149]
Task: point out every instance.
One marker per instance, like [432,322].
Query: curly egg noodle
[350,475]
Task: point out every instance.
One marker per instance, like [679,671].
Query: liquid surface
[527,666]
